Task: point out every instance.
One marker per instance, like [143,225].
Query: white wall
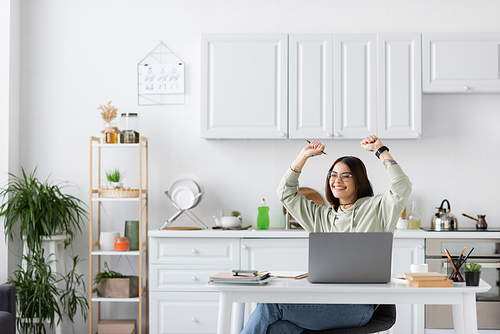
[10,16]
[79,54]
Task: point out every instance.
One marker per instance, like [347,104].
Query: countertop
[297,233]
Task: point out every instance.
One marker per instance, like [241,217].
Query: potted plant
[115,178]
[40,300]
[472,273]
[40,208]
[111,284]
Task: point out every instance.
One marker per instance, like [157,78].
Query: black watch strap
[380,150]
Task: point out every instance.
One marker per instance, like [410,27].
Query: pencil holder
[451,271]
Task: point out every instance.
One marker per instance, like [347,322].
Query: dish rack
[188,212]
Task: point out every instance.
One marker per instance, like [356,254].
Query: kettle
[444,220]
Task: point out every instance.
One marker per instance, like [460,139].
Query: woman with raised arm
[354,208]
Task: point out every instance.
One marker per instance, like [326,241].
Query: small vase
[472,278]
[132,233]
[107,240]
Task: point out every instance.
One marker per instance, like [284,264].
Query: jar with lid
[122,244]
[129,126]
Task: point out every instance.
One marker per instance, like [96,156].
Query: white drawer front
[184,312]
[195,251]
[175,278]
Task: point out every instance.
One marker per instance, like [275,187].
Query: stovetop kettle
[444,220]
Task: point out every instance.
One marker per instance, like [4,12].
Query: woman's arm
[313,149]
[372,144]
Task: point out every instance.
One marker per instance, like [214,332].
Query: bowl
[230,222]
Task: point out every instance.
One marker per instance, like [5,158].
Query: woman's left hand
[371,143]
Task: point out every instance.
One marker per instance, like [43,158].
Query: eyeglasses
[332,176]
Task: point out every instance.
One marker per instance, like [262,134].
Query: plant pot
[119,287]
[472,278]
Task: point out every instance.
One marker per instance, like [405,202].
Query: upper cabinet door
[399,83]
[310,86]
[461,63]
[354,85]
[244,86]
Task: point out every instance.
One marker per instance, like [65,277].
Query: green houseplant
[39,298]
[472,273]
[116,285]
[115,178]
[41,208]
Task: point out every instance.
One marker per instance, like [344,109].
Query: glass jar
[413,218]
[129,126]
[121,244]
[110,133]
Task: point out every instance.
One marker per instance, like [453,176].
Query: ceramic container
[107,240]
[231,222]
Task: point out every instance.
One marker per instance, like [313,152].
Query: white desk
[462,298]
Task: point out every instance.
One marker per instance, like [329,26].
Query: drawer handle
[244,247]
[193,319]
[194,251]
[194,278]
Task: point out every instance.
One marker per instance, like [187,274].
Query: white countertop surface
[297,233]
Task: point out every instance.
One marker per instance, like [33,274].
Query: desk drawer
[188,251]
[167,278]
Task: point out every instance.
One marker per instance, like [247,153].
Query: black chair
[7,309]
[382,319]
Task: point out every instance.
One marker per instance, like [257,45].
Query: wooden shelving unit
[94,248]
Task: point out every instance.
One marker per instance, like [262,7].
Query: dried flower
[108,112]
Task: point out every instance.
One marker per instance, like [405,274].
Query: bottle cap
[263,202]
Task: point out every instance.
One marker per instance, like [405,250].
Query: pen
[310,142]
[465,258]
[461,259]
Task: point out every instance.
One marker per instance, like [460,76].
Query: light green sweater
[378,213]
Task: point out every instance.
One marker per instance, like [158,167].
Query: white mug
[419,268]
[107,240]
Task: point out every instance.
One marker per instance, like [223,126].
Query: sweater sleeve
[394,200]
[306,212]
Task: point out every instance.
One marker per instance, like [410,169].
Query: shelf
[119,145]
[116,253]
[117,300]
[129,199]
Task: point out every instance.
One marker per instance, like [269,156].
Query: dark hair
[358,169]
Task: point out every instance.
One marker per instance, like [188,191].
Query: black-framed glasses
[332,176]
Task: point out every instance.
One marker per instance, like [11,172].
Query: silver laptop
[350,257]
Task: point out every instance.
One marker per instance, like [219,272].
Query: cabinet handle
[193,319]
[328,134]
[194,278]
[417,134]
[244,246]
[466,87]
[194,251]
[420,246]
[282,134]
[336,134]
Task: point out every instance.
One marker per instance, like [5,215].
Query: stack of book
[430,279]
[259,278]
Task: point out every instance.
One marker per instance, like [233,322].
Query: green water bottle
[263,217]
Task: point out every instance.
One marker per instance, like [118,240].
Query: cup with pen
[456,267]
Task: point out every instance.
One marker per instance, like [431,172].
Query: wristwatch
[380,150]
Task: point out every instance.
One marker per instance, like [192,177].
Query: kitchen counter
[297,233]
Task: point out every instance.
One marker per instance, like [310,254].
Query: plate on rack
[183,191]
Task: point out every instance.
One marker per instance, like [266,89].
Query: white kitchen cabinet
[409,318]
[180,268]
[399,86]
[376,85]
[244,86]
[354,81]
[310,86]
[275,254]
[461,62]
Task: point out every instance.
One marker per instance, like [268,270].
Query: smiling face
[343,189]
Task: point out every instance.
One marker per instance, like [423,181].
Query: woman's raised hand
[314,148]
[371,143]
